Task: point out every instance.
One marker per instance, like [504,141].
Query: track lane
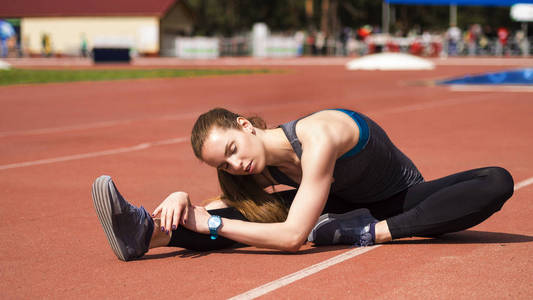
[52,238]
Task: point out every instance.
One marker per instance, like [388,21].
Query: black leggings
[432,208]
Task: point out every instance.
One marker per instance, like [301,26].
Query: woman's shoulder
[325,122]
[327,115]
[331,126]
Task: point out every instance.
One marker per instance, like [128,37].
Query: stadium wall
[67,33]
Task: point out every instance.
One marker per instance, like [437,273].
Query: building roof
[71,8]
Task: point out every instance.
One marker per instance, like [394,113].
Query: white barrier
[194,48]
[282,47]
[265,45]
[259,40]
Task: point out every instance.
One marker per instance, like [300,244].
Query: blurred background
[204,29]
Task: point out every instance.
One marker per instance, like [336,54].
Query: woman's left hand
[197,219]
[174,210]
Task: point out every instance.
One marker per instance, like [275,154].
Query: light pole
[385,16]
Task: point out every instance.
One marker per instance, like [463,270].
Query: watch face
[213,222]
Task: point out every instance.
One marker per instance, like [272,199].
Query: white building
[141,25]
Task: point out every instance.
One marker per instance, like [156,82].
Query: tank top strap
[290,131]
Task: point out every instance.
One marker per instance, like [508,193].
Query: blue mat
[512,77]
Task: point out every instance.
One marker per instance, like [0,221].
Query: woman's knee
[501,183]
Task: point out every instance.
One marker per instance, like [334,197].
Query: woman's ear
[246,125]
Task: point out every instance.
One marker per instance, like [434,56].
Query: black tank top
[378,171]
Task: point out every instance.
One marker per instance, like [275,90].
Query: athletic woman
[351,186]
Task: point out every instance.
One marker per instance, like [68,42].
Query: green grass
[29,76]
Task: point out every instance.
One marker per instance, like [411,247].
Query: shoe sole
[323,219]
[102,203]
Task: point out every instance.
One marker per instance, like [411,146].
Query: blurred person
[363,34]
[7,32]
[414,31]
[391,45]
[436,44]
[310,41]
[353,46]
[484,45]
[344,36]
[83,46]
[416,47]
[3,48]
[472,39]
[501,46]
[46,45]
[523,43]
[352,186]
[320,43]
[453,37]
[491,37]
[426,41]
[299,36]
[332,45]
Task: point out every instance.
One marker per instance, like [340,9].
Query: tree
[230,17]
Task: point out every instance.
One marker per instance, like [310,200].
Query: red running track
[57,138]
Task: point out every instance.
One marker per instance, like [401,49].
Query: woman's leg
[185,238]
[182,237]
[449,204]
[159,238]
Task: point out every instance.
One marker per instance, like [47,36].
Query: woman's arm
[318,161]
[185,238]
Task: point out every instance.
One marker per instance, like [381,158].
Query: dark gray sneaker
[128,228]
[351,228]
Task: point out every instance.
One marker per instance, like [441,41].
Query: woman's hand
[174,209]
[197,220]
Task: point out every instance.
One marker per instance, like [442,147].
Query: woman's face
[238,152]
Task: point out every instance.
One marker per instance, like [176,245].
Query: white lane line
[192,115]
[174,117]
[430,105]
[93,154]
[401,109]
[95,125]
[64,128]
[523,183]
[491,88]
[278,283]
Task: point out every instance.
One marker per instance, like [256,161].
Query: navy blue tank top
[373,170]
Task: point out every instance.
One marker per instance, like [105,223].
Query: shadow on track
[184,253]
[470,237]
[462,237]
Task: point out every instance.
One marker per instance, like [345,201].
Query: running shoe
[351,228]
[128,228]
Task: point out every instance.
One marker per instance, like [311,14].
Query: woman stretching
[352,186]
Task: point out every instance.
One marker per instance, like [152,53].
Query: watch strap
[214,230]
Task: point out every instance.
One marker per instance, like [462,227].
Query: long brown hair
[239,191]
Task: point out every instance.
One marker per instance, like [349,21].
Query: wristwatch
[214,224]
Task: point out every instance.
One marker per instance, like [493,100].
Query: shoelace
[365,238]
[141,214]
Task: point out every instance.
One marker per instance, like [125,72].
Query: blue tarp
[461,2]
[512,77]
